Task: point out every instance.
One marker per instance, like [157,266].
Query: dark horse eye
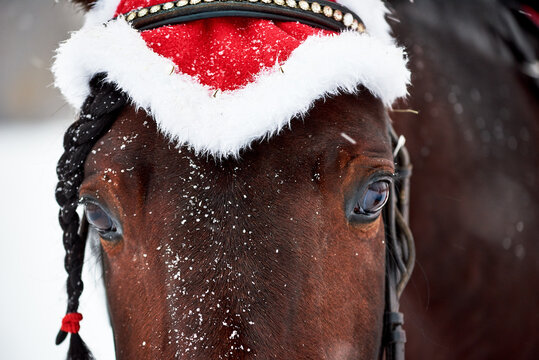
[374,198]
[98,218]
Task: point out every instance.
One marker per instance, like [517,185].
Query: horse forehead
[361,116]
[356,124]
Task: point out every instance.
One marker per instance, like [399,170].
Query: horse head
[219,239]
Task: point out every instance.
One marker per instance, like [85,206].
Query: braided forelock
[97,115]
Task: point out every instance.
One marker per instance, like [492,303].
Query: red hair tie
[531,13]
[70,323]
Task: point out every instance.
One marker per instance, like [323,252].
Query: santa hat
[219,84]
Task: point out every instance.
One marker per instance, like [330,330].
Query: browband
[322,14]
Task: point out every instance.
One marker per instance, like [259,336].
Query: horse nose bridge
[226,284]
[233,249]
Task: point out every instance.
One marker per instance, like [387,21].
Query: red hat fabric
[219,84]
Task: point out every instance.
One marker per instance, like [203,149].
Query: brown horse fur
[475,190]
[471,298]
[248,257]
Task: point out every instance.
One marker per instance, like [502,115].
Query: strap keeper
[393,319]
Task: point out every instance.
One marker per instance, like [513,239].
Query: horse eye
[98,218]
[374,198]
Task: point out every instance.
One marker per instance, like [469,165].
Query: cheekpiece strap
[321,14]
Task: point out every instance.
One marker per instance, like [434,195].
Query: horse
[475,200]
[279,252]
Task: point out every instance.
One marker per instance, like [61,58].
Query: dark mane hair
[86,4]
[502,30]
[512,28]
[96,117]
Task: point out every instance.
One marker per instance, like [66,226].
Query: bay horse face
[265,256]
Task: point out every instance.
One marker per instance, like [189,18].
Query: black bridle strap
[321,14]
[394,336]
[400,254]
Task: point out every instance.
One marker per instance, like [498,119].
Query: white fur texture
[373,14]
[101,12]
[222,125]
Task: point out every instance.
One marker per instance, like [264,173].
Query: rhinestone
[168,6]
[182,3]
[328,11]
[304,5]
[337,15]
[291,3]
[316,8]
[132,16]
[266,1]
[361,27]
[209,0]
[348,19]
[253,1]
[155,9]
[279,2]
[354,25]
[142,12]
[194,2]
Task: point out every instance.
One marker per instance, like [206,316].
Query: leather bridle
[400,251]
[321,14]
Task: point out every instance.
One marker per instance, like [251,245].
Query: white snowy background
[33,118]
[32,278]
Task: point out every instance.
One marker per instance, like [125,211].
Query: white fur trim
[373,14]
[101,12]
[188,113]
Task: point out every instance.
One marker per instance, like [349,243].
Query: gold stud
[155,9]
[304,5]
[361,28]
[337,15]
[328,11]
[132,16]
[291,3]
[316,8]
[348,19]
[279,2]
[142,13]
[354,25]
[182,3]
[168,6]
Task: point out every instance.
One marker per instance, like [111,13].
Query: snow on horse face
[255,256]
[225,232]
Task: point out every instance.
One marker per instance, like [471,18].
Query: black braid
[97,115]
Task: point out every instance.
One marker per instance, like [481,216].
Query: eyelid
[381,175]
[378,170]
[85,199]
